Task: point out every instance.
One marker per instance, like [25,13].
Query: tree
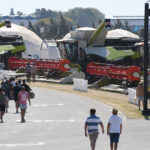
[127,26]
[62,27]
[37,31]
[21,23]
[12,11]
[19,13]
[85,16]
[118,25]
[30,26]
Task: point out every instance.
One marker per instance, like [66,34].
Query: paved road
[55,122]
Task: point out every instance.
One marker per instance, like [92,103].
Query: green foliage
[122,25]
[30,26]
[43,13]
[57,24]
[76,66]
[19,13]
[85,16]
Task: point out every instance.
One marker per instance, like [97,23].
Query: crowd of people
[18,91]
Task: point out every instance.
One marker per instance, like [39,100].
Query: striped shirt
[93,122]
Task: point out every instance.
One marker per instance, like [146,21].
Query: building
[136,23]
[24,19]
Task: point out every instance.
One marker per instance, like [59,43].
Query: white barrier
[132,96]
[80,84]
[6,73]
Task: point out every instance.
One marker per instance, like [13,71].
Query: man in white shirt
[114,129]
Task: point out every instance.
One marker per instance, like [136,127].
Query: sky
[108,7]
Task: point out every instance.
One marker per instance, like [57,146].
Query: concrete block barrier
[80,84]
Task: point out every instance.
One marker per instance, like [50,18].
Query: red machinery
[126,73]
[42,64]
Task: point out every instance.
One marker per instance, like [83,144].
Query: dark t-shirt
[27,88]
[6,89]
[16,91]
[2,99]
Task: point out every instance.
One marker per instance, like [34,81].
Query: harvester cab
[10,45]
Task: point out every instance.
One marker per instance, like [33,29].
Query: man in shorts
[140,93]
[33,71]
[114,129]
[16,90]
[28,71]
[2,104]
[91,124]
[23,96]
[6,88]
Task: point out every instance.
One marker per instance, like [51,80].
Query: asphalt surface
[55,121]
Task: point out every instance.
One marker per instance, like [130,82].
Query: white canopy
[119,33]
[32,41]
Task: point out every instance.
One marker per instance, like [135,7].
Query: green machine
[93,44]
[10,45]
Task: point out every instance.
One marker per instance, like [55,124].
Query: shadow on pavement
[147,117]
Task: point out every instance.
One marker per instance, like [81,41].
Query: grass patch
[116,100]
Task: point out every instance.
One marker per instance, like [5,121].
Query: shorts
[23,106]
[93,137]
[140,98]
[7,98]
[2,107]
[114,137]
[28,74]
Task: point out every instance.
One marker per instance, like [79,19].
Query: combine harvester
[115,58]
[12,46]
[101,56]
[50,65]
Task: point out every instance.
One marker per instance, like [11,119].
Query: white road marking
[47,121]
[27,144]
[46,105]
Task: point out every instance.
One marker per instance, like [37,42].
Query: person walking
[114,129]
[16,90]
[28,72]
[6,88]
[33,71]
[140,94]
[91,124]
[2,104]
[23,96]
[27,88]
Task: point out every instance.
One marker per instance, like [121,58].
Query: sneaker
[17,111]
[23,120]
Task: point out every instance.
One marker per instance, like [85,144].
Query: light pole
[146,111]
